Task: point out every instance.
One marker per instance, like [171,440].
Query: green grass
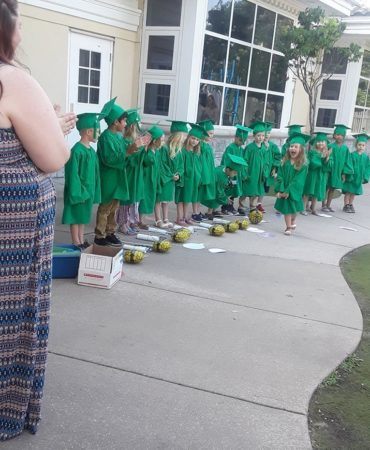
[339,412]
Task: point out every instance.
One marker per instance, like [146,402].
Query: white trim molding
[359,25]
[96,10]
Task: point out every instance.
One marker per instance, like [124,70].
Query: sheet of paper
[324,215]
[255,230]
[216,250]
[194,246]
[349,228]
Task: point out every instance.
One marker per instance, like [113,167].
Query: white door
[90,74]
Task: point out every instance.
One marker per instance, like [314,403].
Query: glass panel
[255,107]
[365,70]
[333,63]
[265,24]
[160,52]
[282,23]
[361,92]
[237,68]
[94,96]
[214,58]
[326,118]
[95,78]
[357,120]
[243,20]
[278,74]
[163,13]
[95,60]
[83,94]
[218,19]
[157,99]
[84,58]
[274,108]
[83,76]
[366,121]
[330,90]
[209,104]
[368,96]
[233,106]
[259,69]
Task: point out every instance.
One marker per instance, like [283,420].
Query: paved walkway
[194,350]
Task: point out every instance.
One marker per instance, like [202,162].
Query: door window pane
[274,108]
[94,78]
[365,70]
[95,60]
[218,18]
[333,62]
[243,20]
[233,106]
[83,94]
[265,24]
[94,96]
[214,58]
[361,93]
[84,58]
[326,118]
[282,23]
[237,68]
[330,90]
[83,76]
[255,107]
[259,69]
[157,99]
[160,52]
[278,74]
[163,13]
[209,104]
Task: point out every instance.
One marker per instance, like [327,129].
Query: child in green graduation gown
[207,159]
[236,148]
[290,181]
[292,129]
[361,172]
[171,171]
[319,164]
[189,192]
[255,155]
[223,183]
[342,165]
[82,179]
[151,170]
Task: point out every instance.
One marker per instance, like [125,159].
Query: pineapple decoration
[133,256]
[216,230]
[231,227]
[181,235]
[162,246]
[243,224]
[255,217]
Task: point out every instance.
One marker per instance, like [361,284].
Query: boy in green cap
[255,156]
[236,148]
[342,165]
[292,129]
[82,179]
[112,152]
[223,183]
[361,172]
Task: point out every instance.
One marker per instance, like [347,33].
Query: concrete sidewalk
[194,350]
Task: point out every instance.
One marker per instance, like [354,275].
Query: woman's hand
[67,121]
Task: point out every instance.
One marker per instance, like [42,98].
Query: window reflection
[218,19]
[330,90]
[365,69]
[214,58]
[265,24]
[326,118]
[361,93]
[233,106]
[278,74]
[281,24]
[243,20]
[237,68]
[209,105]
[157,99]
[274,108]
[333,62]
[255,107]
[260,66]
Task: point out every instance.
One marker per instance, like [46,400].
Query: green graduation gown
[168,169]
[274,161]
[112,161]
[151,170]
[207,186]
[221,184]
[317,174]
[135,177]
[235,150]
[290,180]
[360,176]
[284,149]
[342,165]
[82,185]
[189,192]
[256,158]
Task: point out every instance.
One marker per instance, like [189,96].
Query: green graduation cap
[299,138]
[234,162]
[155,132]
[319,137]
[269,126]
[178,126]
[340,129]
[133,117]
[242,132]
[112,111]
[197,131]
[294,128]
[258,127]
[207,125]
[361,137]
[89,120]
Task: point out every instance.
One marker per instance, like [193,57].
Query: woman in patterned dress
[31,145]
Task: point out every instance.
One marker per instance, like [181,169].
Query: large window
[243,74]
[361,118]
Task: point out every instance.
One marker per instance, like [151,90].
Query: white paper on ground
[264,221]
[194,246]
[324,215]
[267,234]
[348,228]
[216,250]
[255,230]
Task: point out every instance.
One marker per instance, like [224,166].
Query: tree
[310,52]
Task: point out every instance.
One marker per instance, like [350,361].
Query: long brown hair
[8,18]
[299,161]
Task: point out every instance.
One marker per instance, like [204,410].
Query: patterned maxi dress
[27,210]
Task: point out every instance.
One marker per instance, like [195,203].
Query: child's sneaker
[347,208]
[113,240]
[196,217]
[351,209]
[261,208]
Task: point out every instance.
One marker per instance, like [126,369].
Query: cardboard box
[100,266]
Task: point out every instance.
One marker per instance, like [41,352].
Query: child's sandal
[288,231]
[167,223]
